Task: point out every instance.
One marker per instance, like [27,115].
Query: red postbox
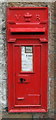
[27,40]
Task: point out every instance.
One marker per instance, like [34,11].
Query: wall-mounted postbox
[27,40]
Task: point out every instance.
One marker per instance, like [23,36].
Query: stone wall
[54,35]
[3,62]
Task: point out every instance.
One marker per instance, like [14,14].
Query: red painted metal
[13,30]
[27,89]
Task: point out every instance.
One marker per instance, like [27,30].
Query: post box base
[27,110]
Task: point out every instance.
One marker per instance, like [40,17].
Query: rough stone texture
[3,63]
[54,35]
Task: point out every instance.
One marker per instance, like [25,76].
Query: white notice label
[27,58]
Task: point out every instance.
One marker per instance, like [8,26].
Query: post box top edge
[27,8]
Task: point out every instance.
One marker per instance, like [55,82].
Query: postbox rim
[27,7]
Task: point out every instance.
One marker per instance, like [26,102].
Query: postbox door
[27,77]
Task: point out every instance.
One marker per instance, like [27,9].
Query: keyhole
[22,80]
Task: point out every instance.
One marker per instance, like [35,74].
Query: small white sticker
[27,58]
